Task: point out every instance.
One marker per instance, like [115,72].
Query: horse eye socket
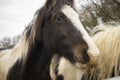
[59,19]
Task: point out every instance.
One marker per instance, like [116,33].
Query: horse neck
[37,63]
[33,64]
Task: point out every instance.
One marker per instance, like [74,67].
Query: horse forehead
[73,16]
[69,11]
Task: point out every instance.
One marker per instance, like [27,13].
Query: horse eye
[59,19]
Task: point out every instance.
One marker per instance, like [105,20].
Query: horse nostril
[60,77]
[85,56]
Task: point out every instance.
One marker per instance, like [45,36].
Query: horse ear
[71,1]
[50,4]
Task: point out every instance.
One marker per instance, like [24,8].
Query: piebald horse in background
[107,39]
[55,29]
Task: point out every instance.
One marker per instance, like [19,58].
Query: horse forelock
[103,27]
[56,4]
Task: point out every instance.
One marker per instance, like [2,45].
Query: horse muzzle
[85,56]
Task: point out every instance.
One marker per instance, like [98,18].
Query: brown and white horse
[107,39]
[55,29]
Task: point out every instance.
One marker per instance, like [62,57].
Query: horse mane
[107,40]
[103,27]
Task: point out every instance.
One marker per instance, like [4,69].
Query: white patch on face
[73,16]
